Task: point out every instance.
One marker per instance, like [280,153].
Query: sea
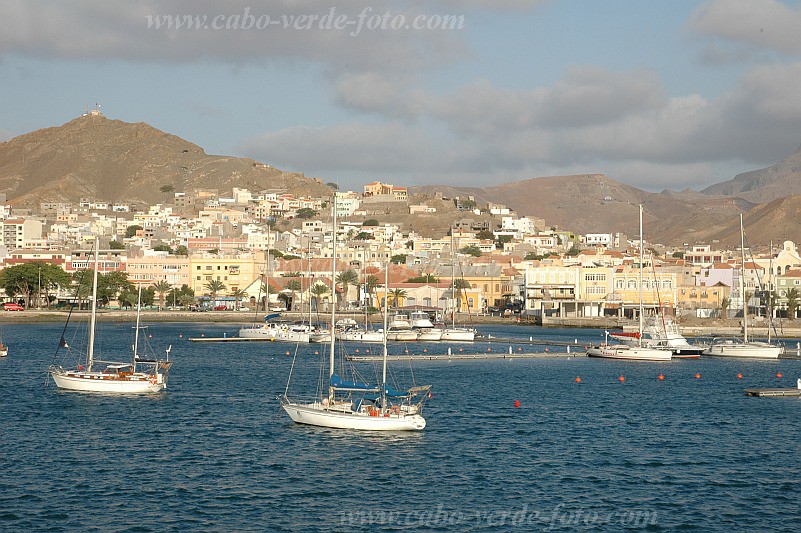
[560,443]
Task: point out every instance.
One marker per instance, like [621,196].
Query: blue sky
[656,94]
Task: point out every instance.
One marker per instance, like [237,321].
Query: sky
[655,94]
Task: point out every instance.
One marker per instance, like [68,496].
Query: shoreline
[689,327]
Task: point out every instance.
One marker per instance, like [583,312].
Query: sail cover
[339,383]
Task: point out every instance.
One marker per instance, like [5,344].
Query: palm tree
[793,297]
[294,286]
[214,286]
[724,307]
[397,295]
[370,283]
[346,278]
[161,288]
[238,294]
[317,291]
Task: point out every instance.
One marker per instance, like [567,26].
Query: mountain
[95,157]
[765,185]
[595,203]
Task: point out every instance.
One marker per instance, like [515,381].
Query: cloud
[766,24]
[619,123]
[182,31]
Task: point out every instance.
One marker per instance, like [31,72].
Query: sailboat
[638,351]
[116,377]
[358,405]
[729,347]
[454,333]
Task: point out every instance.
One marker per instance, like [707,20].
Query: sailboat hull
[458,335]
[630,353]
[97,382]
[316,415]
[744,350]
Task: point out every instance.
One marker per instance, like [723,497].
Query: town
[260,250]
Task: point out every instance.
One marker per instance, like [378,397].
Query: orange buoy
[546,349]
[367,350]
[460,349]
[697,376]
[318,353]
[519,349]
[202,334]
[489,349]
[287,354]
[621,379]
[661,377]
[407,350]
[517,404]
[578,379]
[357,350]
[779,375]
[739,376]
[425,350]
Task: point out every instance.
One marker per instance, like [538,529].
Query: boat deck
[773,393]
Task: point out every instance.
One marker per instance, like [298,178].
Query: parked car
[11,306]
[221,308]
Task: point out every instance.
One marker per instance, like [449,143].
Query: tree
[574,251]
[396,295]
[485,234]
[167,190]
[238,294]
[724,306]
[370,283]
[399,259]
[181,250]
[161,288]
[346,278]
[333,185]
[183,296]
[793,297]
[317,292]
[214,286]
[471,250]
[130,231]
[28,278]
[162,248]
[534,256]
[678,255]
[109,286]
[502,239]
[363,236]
[293,285]
[116,245]
[306,213]
[370,222]
[428,278]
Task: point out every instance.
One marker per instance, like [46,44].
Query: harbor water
[215,451]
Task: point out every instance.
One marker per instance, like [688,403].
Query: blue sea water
[215,452]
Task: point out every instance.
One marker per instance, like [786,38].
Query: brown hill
[95,157]
[595,203]
[765,185]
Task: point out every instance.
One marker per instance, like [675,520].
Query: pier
[462,356]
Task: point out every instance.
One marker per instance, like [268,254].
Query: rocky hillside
[765,185]
[92,156]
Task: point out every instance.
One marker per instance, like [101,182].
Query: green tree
[181,250]
[793,297]
[238,294]
[319,290]
[306,213]
[471,250]
[502,239]
[162,248]
[130,231]
[724,307]
[678,255]
[110,284]
[485,234]
[161,288]
[363,236]
[333,185]
[347,278]
[396,297]
[574,251]
[293,286]
[428,278]
[26,279]
[399,259]
[370,283]
[214,286]
[116,245]
[370,222]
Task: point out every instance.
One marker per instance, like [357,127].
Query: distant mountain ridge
[115,161]
[764,185]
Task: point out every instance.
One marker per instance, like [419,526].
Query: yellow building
[236,271]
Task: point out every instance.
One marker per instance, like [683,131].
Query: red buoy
[739,376]
[779,375]
[517,404]
[697,376]
[621,379]
[578,379]
[661,377]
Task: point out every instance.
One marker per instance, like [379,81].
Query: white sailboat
[358,405]
[454,333]
[638,351]
[730,347]
[139,376]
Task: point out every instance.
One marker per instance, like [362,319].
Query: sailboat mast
[384,342]
[742,282]
[333,288]
[90,358]
[639,338]
[136,335]
[453,283]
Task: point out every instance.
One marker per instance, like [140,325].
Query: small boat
[421,323]
[400,329]
[144,374]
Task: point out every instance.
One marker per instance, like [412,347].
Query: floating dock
[773,393]
[227,339]
[461,356]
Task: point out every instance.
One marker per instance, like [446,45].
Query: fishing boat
[356,404]
[732,347]
[143,374]
[636,351]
